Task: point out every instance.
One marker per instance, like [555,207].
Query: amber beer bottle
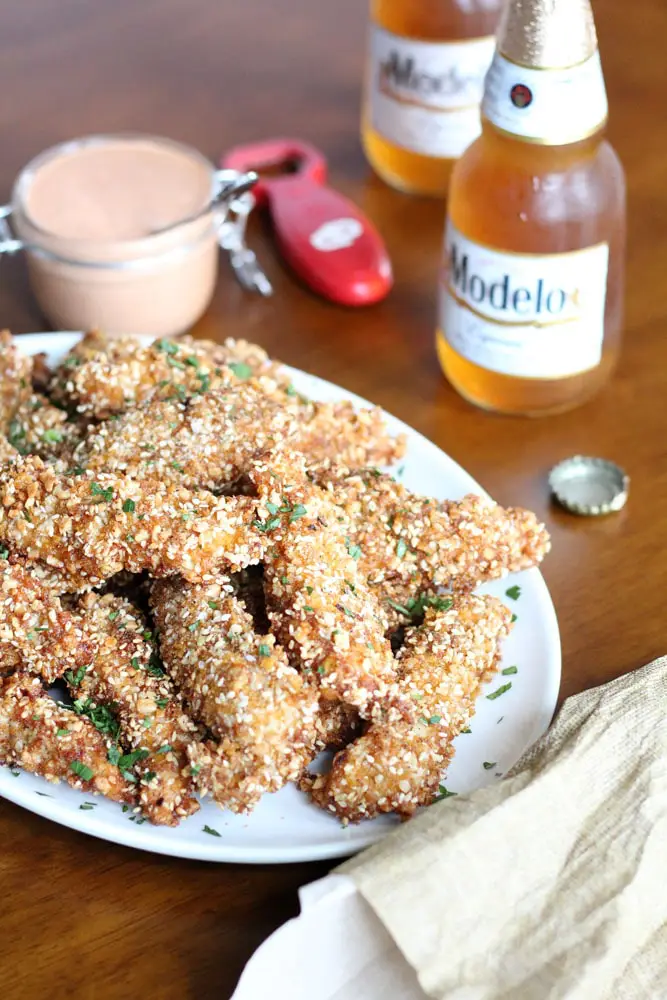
[424,83]
[532,294]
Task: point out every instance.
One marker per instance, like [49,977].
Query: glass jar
[122,232]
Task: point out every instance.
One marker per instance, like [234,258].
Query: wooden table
[83,918]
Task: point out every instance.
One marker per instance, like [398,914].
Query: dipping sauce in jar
[120,233]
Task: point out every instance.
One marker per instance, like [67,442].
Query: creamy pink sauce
[124,189]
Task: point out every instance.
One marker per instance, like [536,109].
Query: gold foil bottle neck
[547,34]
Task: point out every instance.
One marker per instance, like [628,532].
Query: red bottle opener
[322,235]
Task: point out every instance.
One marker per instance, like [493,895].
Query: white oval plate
[285,826]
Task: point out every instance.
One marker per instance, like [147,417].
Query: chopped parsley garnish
[352,550]
[135,662]
[415,607]
[74,677]
[401,548]
[177,466]
[514,619]
[209,829]
[213,605]
[161,702]
[87,805]
[4,553]
[240,369]
[174,363]
[78,470]
[205,381]
[154,667]
[62,732]
[101,716]
[113,615]
[443,793]
[510,670]
[166,346]
[468,730]
[166,748]
[433,721]
[103,495]
[194,626]
[195,768]
[129,507]
[147,635]
[82,770]
[298,511]
[322,669]
[128,760]
[308,589]
[514,592]
[268,525]
[52,435]
[284,580]
[147,722]
[350,614]
[307,607]
[272,508]
[15,436]
[501,690]
[488,764]
[192,361]
[264,650]
[148,776]
[15,774]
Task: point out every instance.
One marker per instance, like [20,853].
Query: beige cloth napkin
[552,884]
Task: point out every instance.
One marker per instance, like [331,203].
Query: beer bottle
[424,83]
[532,295]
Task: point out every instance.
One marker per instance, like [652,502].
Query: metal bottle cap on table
[589,486]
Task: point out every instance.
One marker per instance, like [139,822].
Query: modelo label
[548,106]
[425,96]
[528,315]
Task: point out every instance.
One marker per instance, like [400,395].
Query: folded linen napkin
[550,885]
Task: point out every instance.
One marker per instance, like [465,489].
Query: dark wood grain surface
[83,918]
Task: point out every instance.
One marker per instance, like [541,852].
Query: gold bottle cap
[589,486]
[547,34]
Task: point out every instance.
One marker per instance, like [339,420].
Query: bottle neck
[546,107]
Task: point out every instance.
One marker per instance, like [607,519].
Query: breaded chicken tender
[320,607]
[208,441]
[337,434]
[90,526]
[41,736]
[241,686]
[15,380]
[442,667]
[99,379]
[410,545]
[153,730]
[37,634]
[39,428]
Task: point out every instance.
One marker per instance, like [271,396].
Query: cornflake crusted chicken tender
[209,441]
[443,665]
[90,526]
[409,545]
[41,736]
[241,686]
[36,633]
[153,730]
[320,607]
